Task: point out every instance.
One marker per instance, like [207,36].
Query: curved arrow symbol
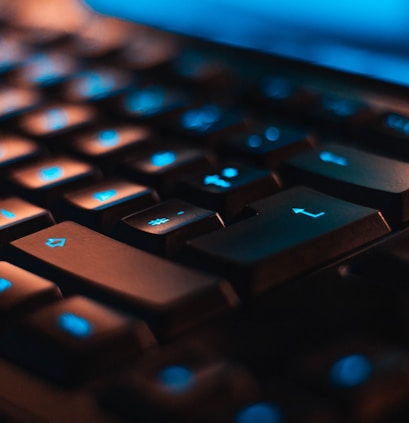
[302,211]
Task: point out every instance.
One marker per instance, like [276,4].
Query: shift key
[169,296]
[290,234]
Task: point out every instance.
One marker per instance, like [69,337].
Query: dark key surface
[172,296]
[294,231]
[165,228]
[69,338]
[357,176]
[101,206]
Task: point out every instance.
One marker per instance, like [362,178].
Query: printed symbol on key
[55,242]
[304,212]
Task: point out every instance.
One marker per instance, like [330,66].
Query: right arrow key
[292,233]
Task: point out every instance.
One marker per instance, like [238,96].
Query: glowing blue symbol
[49,174]
[254,141]
[108,138]
[179,213]
[351,371]
[398,122]
[276,88]
[158,222]
[4,285]
[260,413]
[7,214]
[41,68]
[217,181]
[340,106]
[163,158]
[272,133]
[176,378]
[94,84]
[75,325]
[302,211]
[55,242]
[56,119]
[105,195]
[327,156]
[230,172]
[201,120]
[147,102]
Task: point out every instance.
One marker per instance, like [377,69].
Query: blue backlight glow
[104,196]
[230,172]
[159,221]
[397,122]
[5,285]
[260,413]
[52,173]
[163,158]
[327,156]
[217,181]
[254,141]
[7,214]
[272,133]
[55,242]
[147,101]
[75,325]
[176,379]
[202,119]
[95,84]
[56,119]
[108,138]
[351,371]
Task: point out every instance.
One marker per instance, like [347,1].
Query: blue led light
[4,285]
[201,120]
[55,242]
[179,213]
[75,325]
[327,156]
[148,101]
[56,119]
[108,138]
[260,413]
[163,158]
[254,141]
[104,196]
[217,181]
[52,173]
[351,371]
[94,84]
[176,378]
[230,172]
[272,133]
[7,214]
[158,222]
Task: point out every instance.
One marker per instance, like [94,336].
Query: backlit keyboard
[192,234]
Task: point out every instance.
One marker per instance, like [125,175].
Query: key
[101,206]
[169,295]
[44,181]
[12,53]
[21,291]
[70,339]
[16,150]
[163,229]
[356,176]
[228,189]
[295,231]
[17,101]
[19,218]
[270,145]
[164,168]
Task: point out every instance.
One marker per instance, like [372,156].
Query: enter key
[292,233]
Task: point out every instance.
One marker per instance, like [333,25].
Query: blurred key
[165,228]
[17,101]
[103,205]
[293,232]
[357,176]
[170,296]
[163,169]
[228,189]
[15,150]
[70,339]
[19,218]
[12,53]
[46,180]
[22,291]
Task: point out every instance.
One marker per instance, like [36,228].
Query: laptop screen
[363,37]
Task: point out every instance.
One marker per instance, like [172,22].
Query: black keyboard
[190,233]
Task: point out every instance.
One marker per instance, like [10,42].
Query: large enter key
[292,233]
[169,296]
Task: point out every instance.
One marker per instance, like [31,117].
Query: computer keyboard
[194,233]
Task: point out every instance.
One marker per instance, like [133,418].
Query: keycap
[100,206]
[164,168]
[22,291]
[181,384]
[171,296]
[45,180]
[228,189]
[164,228]
[69,339]
[16,150]
[57,120]
[357,176]
[19,218]
[17,101]
[269,145]
[12,53]
[293,232]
